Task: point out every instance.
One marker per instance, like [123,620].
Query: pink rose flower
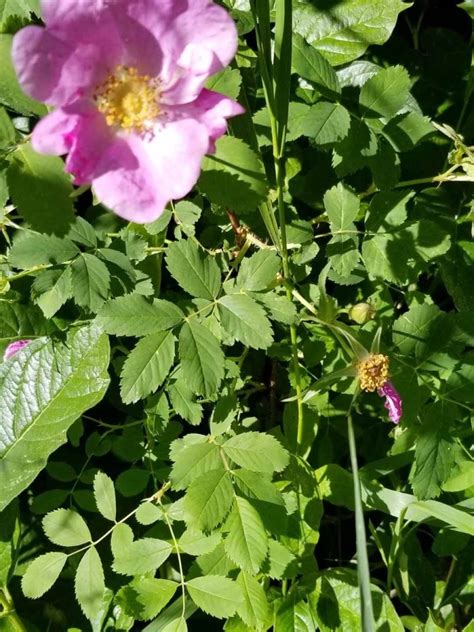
[126,79]
[393,401]
[14,347]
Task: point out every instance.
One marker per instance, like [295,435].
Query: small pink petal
[393,401]
[14,347]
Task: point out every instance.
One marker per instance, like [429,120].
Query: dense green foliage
[174,445]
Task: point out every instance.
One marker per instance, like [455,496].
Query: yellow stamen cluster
[373,372]
[129,100]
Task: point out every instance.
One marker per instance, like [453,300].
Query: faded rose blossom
[393,401]
[14,347]
[126,78]
[373,372]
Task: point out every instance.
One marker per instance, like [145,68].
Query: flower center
[373,372]
[129,100]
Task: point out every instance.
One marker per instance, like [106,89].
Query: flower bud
[361,313]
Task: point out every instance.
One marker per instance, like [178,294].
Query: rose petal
[79,130]
[140,177]
[200,41]
[393,401]
[14,347]
[52,71]
[212,109]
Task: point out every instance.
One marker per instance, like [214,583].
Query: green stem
[15,624]
[178,555]
[394,547]
[363,571]
[276,85]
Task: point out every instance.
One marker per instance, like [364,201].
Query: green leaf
[14,8]
[385,93]
[183,400]
[417,332]
[150,595]
[344,30]
[468,5]
[279,559]
[82,233]
[294,614]
[435,453]
[258,485]
[218,596]
[257,272]
[324,123]
[233,177]
[193,461]
[254,610]
[41,190]
[196,543]
[407,130]
[177,625]
[9,538]
[354,151]
[335,603]
[195,271]
[208,500]
[142,556]
[202,359]
[187,215]
[385,166]
[66,380]
[244,320]
[104,494]
[148,514]
[278,307]
[256,451]
[11,94]
[429,240]
[246,543]
[33,249]
[121,538]
[65,527]
[7,132]
[342,207]
[90,282]
[51,289]
[147,366]
[133,315]
[461,478]
[383,256]
[89,583]
[226,82]
[42,573]
[308,63]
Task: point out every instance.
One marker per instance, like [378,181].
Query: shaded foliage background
[249,499]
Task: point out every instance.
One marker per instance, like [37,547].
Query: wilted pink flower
[14,347]
[126,78]
[393,401]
